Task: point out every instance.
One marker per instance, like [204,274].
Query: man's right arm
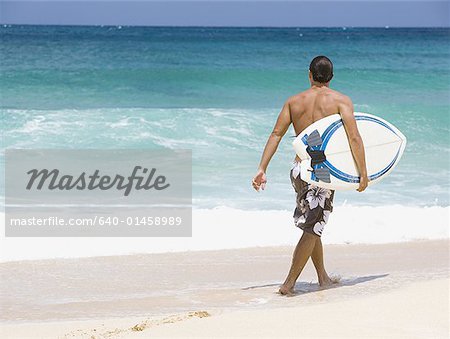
[355,140]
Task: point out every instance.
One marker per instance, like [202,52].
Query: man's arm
[281,126]
[355,140]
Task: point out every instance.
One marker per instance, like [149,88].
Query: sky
[278,13]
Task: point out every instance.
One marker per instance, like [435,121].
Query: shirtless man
[314,204]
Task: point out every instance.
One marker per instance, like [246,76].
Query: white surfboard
[327,160]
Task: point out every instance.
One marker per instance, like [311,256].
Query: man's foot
[326,281]
[286,290]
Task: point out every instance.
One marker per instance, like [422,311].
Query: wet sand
[393,289]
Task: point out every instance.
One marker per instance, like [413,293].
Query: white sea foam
[228,142]
[121,123]
[222,228]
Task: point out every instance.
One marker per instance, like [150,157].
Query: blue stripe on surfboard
[334,126]
[354,179]
[330,130]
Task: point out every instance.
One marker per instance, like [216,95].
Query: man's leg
[302,252]
[317,258]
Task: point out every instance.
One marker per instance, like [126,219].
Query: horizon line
[4,25]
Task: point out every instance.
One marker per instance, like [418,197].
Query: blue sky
[276,13]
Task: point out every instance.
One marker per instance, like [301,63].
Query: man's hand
[259,181]
[363,182]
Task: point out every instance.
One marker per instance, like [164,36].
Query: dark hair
[321,68]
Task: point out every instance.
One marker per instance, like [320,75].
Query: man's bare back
[314,104]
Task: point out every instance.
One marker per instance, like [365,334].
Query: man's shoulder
[298,97]
[340,96]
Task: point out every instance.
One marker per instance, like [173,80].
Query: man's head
[321,69]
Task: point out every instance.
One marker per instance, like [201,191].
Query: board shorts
[314,204]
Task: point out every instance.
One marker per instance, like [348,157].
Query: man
[314,204]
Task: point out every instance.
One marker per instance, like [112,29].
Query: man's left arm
[279,130]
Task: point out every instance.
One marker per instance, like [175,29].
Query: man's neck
[319,84]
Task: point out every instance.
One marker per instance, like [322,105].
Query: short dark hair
[321,68]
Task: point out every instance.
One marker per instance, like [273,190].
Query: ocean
[218,91]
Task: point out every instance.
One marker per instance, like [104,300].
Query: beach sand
[387,290]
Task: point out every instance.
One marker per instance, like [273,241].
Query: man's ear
[328,83]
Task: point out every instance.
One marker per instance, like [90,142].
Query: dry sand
[391,290]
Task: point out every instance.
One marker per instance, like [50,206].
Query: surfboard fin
[314,139]
[323,174]
[317,156]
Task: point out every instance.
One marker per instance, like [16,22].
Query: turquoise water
[218,91]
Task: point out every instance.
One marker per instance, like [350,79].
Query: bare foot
[287,291]
[327,281]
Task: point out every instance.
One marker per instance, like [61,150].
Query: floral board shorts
[314,204]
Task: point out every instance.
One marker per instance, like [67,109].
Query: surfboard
[327,160]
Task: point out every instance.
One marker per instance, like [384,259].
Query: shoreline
[175,294]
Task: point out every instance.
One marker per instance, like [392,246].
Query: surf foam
[224,228]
